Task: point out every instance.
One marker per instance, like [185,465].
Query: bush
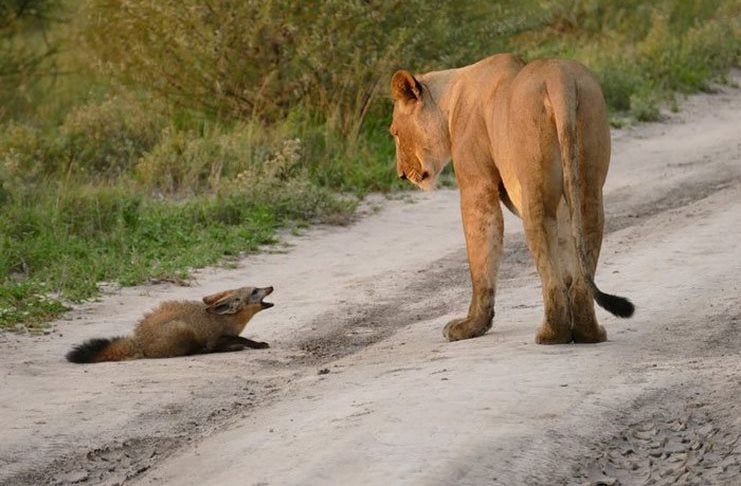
[105,139]
[253,59]
[641,51]
[644,105]
[24,48]
[186,162]
[26,155]
[189,163]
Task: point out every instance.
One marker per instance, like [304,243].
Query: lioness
[535,137]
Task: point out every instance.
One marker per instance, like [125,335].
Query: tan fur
[179,328]
[118,350]
[535,136]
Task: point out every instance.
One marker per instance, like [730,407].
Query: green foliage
[106,139]
[70,238]
[255,59]
[25,154]
[685,63]
[644,105]
[96,141]
[24,50]
[188,162]
[28,303]
[18,18]
[642,51]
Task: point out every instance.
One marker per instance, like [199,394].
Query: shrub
[105,139]
[26,155]
[644,105]
[25,49]
[187,162]
[246,59]
[641,51]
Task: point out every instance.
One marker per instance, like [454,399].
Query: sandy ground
[359,386]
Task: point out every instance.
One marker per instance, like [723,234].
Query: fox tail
[101,349]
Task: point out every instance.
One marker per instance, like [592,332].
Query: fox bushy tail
[103,349]
[564,106]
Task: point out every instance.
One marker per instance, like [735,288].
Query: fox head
[246,300]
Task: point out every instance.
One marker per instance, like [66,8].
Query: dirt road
[359,386]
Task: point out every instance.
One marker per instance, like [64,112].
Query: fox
[183,328]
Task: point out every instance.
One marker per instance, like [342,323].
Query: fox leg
[249,343]
[224,344]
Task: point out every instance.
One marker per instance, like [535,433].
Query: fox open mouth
[266,305]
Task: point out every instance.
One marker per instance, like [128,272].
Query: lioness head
[420,132]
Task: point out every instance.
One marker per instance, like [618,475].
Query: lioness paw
[466,328]
[548,334]
[596,334]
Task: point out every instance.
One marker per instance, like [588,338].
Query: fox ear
[227,304]
[405,87]
[210,299]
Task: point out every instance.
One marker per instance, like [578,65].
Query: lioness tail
[614,304]
[565,116]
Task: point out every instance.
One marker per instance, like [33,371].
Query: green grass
[644,53]
[27,305]
[70,239]
[136,164]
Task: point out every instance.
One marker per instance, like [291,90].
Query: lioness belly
[507,201]
[510,193]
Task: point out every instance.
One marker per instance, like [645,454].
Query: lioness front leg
[483,230]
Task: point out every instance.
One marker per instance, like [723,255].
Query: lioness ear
[210,299]
[405,87]
[228,304]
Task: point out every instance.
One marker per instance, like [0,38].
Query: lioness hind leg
[542,237]
[581,305]
[586,328]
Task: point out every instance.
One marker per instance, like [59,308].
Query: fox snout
[255,295]
[264,293]
[234,301]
